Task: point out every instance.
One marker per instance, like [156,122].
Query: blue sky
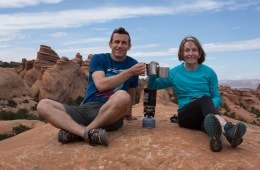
[229,30]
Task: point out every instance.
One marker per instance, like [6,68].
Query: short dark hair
[120,30]
[197,43]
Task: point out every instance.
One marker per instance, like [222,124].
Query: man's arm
[106,83]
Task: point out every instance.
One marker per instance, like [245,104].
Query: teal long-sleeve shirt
[189,84]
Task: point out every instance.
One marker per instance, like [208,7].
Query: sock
[222,122]
[86,135]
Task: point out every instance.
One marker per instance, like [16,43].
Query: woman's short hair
[197,43]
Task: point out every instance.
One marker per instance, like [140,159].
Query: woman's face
[190,53]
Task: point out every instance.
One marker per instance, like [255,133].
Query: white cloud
[58,34]
[79,17]
[86,41]
[253,44]
[10,35]
[147,46]
[16,54]
[72,18]
[71,52]
[151,54]
[24,3]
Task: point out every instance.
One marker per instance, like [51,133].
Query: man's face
[119,46]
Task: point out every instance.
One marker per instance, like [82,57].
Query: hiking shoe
[96,136]
[213,129]
[66,137]
[234,133]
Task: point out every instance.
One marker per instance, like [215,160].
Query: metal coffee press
[149,108]
[152,69]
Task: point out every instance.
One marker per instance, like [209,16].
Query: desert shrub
[5,65]
[230,114]
[255,111]
[20,129]
[34,107]
[11,103]
[9,65]
[6,115]
[16,130]
[233,115]
[4,136]
[253,122]
[26,101]
[225,107]
[21,114]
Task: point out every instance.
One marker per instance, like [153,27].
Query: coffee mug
[163,72]
[151,69]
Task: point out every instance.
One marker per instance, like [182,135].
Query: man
[111,77]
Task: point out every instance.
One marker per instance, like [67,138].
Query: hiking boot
[213,129]
[96,136]
[234,133]
[66,137]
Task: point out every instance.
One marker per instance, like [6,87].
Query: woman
[196,88]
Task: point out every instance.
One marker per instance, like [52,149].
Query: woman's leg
[192,115]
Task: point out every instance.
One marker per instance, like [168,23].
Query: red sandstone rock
[167,146]
[11,84]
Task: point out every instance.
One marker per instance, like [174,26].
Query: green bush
[16,131]
[6,115]
[20,129]
[9,65]
[11,103]
[225,107]
[21,114]
[4,136]
[255,111]
[26,101]
[34,107]
[231,115]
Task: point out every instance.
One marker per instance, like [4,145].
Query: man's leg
[114,109]
[56,115]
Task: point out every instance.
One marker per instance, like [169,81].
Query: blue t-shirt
[104,62]
[189,84]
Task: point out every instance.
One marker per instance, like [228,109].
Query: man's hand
[138,69]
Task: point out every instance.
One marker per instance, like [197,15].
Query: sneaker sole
[103,137]
[60,137]
[240,130]
[213,129]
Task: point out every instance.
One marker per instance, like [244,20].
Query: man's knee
[123,97]
[42,107]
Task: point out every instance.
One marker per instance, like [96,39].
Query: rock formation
[78,59]
[240,102]
[62,81]
[30,71]
[167,146]
[11,84]
[85,64]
